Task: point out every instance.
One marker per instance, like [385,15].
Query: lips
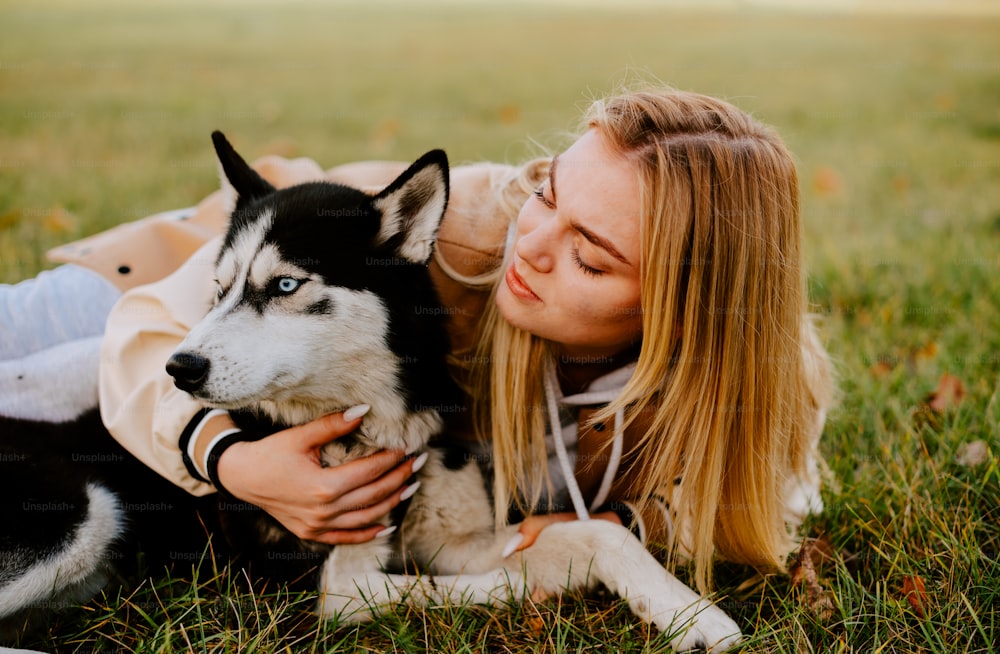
[518,287]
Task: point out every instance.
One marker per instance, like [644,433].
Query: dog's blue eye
[288,285]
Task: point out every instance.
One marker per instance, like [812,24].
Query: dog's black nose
[188,370]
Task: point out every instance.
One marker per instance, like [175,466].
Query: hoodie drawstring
[555,426]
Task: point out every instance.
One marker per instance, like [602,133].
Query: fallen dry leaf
[58,221]
[948,394]
[385,133]
[10,218]
[972,454]
[900,183]
[536,626]
[911,359]
[826,181]
[925,353]
[510,114]
[945,102]
[916,594]
[818,599]
[881,368]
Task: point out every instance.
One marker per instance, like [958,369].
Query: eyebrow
[600,242]
[596,239]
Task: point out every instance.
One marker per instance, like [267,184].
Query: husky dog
[325,302]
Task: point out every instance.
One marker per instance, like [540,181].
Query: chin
[512,311]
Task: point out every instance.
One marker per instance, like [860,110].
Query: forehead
[599,188]
[241,245]
[308,227]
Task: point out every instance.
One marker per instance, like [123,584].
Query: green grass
[105,113]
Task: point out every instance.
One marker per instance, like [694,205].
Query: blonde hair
[721,378]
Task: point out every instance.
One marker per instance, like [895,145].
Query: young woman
[629,318]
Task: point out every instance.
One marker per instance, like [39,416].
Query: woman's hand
[533,525]
[282,474]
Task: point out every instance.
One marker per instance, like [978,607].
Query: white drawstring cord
[556,426]
[613,463]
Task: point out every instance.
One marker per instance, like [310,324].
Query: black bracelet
[216,453]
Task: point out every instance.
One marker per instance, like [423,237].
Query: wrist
[207,436]
[230,462]
[220,447]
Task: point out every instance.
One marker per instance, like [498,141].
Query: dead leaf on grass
[827,181]
[58,221]
[972,454]
[925,353]
[883,365]
[819,600]
[900,183]
[510,114]
[385,133]
[916,594]
[945,101]
[948,394]
[10,218]
[911,359]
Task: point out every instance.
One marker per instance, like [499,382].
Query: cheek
[607,303]
[622,322]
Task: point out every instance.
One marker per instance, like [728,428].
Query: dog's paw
[709,633]
[704,627]
[345,609]
[700,626]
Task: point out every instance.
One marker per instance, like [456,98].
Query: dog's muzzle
[188,370]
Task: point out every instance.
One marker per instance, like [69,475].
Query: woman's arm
[140,405]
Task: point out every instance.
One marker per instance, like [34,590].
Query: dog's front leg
[354,589]
[579,555]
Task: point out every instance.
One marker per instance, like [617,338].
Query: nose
[534,244]
[188,370]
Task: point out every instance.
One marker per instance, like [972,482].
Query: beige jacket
[165,263]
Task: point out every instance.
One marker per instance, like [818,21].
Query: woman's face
[574,272]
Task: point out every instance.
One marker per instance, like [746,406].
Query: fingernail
[419,462]
[410,490]
[356,412]
[511,545]
[385,532]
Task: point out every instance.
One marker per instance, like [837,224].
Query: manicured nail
[410,490]
[356,412]
[385,532]
[511,545]
[419,462]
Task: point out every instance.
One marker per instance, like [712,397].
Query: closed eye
[540,195]
[590,270]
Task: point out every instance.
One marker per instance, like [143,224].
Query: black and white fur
[325,302]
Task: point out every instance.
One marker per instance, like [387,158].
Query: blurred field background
[105,115]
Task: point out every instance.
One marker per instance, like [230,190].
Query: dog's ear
[239,180]
[413,205]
